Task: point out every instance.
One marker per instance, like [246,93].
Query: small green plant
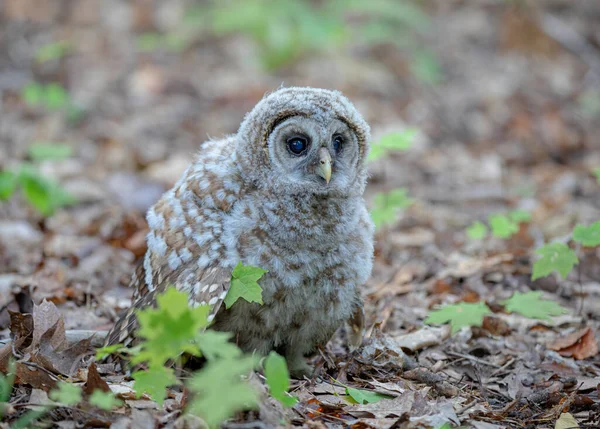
[6,384]
[559,257]
[285,31]
[588,236]
[463,314]
[43,194]
[51,97]
[459,315]
[63,395]
[219,389]
[104,400]
[388,205]
[396,141]
[501,225]
[174,328]
[66,394]
[477,231]
[531,304]
[53,51]
[361,396]
[278,379]
[244,284]
[554,257]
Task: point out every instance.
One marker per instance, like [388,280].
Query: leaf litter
[521,164]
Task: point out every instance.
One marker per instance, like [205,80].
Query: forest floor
[514,123]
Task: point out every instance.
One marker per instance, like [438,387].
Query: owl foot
[300,369]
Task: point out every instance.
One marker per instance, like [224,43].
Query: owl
[284,194]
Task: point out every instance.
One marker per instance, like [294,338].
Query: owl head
[304,141]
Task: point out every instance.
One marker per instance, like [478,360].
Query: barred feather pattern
[245,198]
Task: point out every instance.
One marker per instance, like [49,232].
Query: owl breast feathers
[283,194]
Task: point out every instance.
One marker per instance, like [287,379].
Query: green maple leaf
[219,390]
[278,379]
[104,400]
[399,141]
[55,96]
[520,216]
[502,226]
[244,284]
[102,352]
[532,305]
[154,381]
[32,93]
[364,396]
[44,195]
[588,236]
[554,257]
[477,231]
[170,329]
[459,315]
[66,394]
[215,345]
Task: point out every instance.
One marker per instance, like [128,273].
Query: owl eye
[338,140]
[297,144]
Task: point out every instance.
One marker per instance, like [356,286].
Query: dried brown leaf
[581,344]
[94,381]
[46,317]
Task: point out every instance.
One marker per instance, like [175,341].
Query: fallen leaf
[62,358]
[45,317]
[581,344]
[381,351]
[495,326]
[94,381]
[425,337]
[21,326]
[566,421]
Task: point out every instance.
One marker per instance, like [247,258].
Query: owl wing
[184,241]
[207,286]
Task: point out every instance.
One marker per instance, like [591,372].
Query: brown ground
[515,123]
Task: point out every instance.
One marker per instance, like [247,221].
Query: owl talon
[300,369]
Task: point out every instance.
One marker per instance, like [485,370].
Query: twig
[503,367]
[473,358]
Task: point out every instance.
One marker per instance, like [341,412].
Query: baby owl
[285,194]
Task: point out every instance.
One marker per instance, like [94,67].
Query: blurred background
[477,107]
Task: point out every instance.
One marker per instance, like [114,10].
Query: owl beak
[324,167]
